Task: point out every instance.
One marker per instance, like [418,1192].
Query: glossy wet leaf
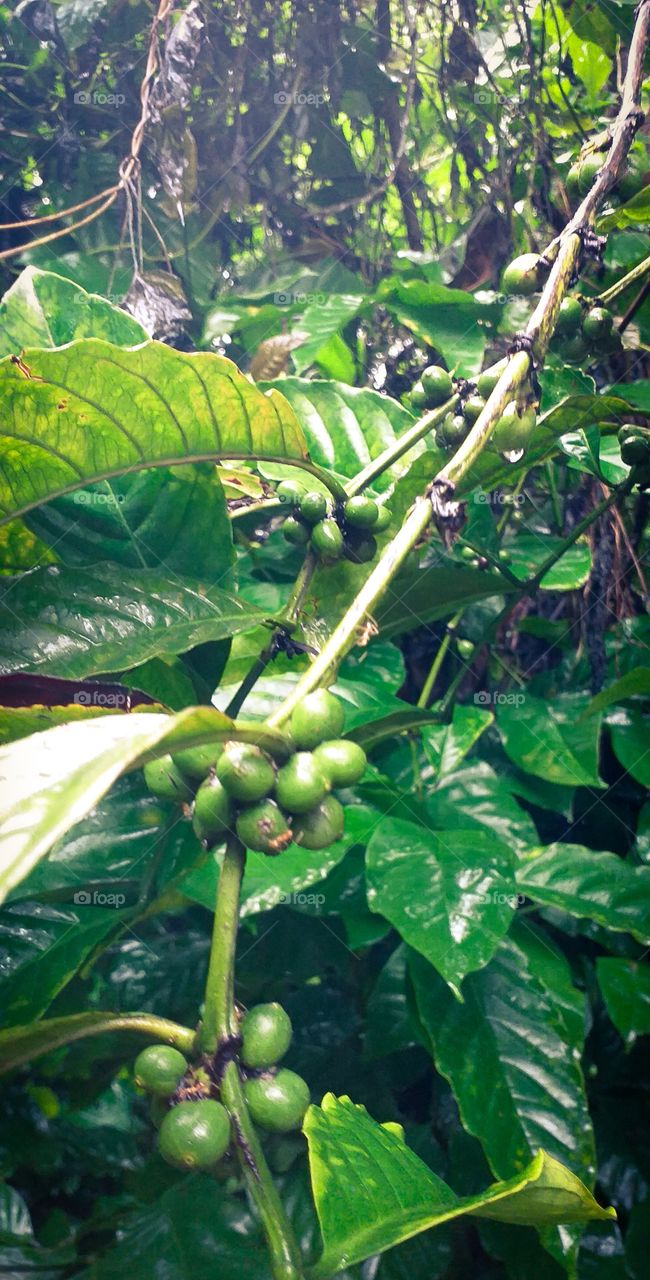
[42,309]
[547,738]
[625,985]
[429,594]
[51,780]
[75,622]
[631,744]
[372,1192]
[91,410]
[450,895]
[589,884]
[529,551]
[506,1054]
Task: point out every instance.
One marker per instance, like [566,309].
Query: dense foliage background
[327,194]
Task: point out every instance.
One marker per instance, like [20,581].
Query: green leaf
[43,947]
[505,1052]
[590,884]
[430,594]
[173,519]
[320,321]
[193,1230]
[450,896]
[635,681]
[19,1045]
[546,738]
[449,320]
[475,796]
[51,780]
[346,427]
[446,745]
[630,741]
[76,623]
[529,551]
[90,411]
[269,882]
[625,985]
[372,1192]
[42,309]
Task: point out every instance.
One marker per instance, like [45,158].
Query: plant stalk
[395,451]
[219,1026]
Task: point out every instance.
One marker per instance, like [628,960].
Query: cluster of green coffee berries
[194,1130]
[332,530]
[512,431]
[583,328]
[269,804]
[584,171]
[635,451]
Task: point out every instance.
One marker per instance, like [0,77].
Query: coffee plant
[324,471]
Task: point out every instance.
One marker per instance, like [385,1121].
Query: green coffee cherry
[277,1102]
[289,492]
[264,828]
[360,512]
[453,429]
[589,169]
[569,317]
[163,778]
[437,385]
[597,324]
[633,179]
[301,783]
[362,550]
[327,540]
[418,396]
[573,184]
[487,380]
[212,815]
[194,1135]
[384,517]
[343,762]
[635,445]
[195,763]
[319,716]
[321,826]
[296,531]
[266,1033]
[473,407]
[313,507]
[159,1069]
[246,772]
[513,429]
[524,274]
[575,349]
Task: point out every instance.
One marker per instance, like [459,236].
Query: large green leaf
[22,1044]
[172,518]
[76,623]
[547,738]
[193,1230]
[42,309]
[51,780]
[320,321]
[506,1054]
[345,427]
[44,945]
[430,594]
[591,884]
[449,320]
[529,551]
[91,410]
[625,985]
[630,740]
[476,796]
[450,895]
[372,1192]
